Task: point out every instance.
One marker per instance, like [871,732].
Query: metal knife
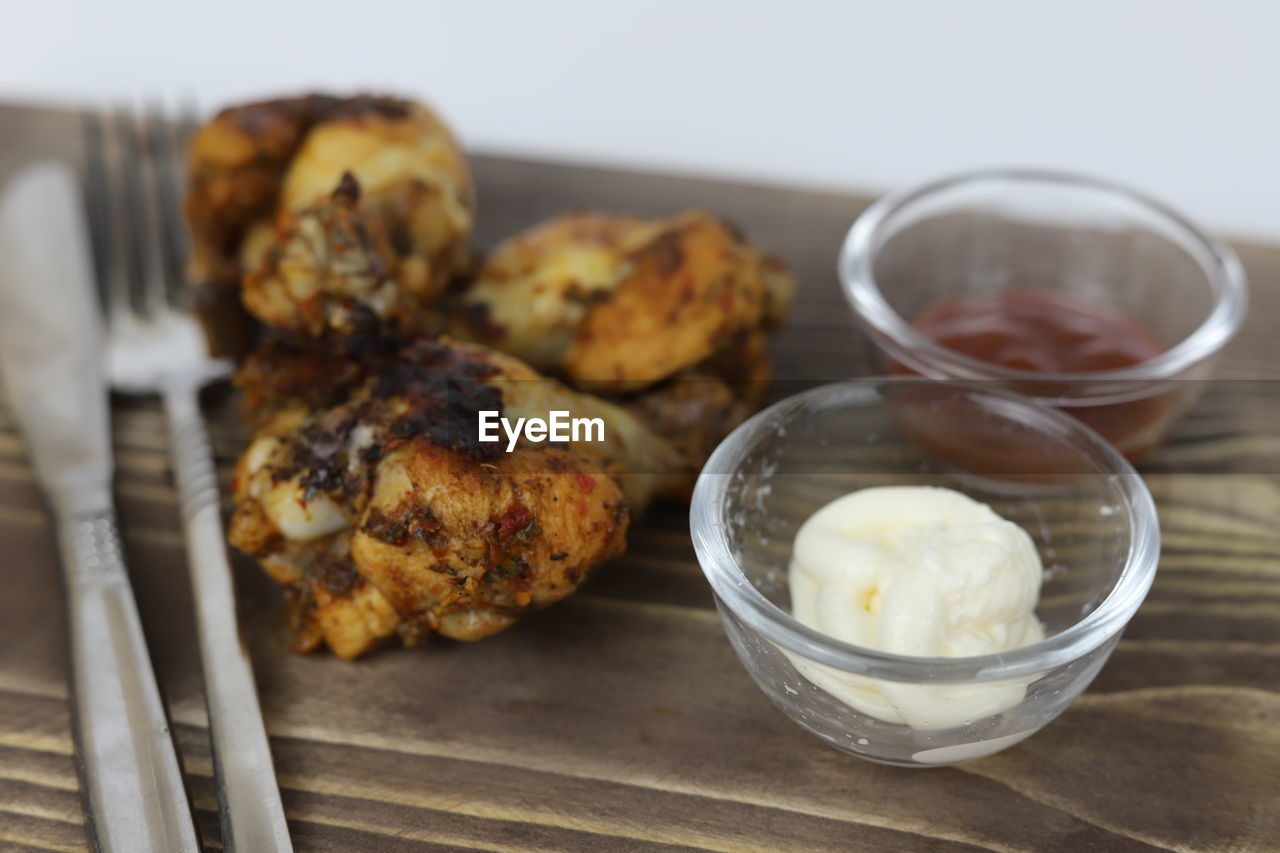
[50,362]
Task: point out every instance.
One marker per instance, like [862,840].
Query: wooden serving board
[620,719]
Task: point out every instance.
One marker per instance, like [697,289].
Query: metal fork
[155,345]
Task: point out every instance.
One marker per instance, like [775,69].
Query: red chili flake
[587,483]
[516,517]
[581,507]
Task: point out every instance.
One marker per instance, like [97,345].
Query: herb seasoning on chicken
[342,227]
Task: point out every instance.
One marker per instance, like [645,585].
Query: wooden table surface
[621,720]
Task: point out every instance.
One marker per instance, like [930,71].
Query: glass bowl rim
[745,601]
[863,294]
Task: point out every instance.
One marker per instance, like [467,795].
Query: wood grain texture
[621,720]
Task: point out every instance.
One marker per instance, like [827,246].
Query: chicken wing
[385,514]
[617,303]
[289,183]
[669,317]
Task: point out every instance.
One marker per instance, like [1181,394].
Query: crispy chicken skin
[263,178]
[383,514]
[284,377]
[618,303]
[282,372]
[330,269]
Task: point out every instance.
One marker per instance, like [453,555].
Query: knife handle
[132,783]
[249,805]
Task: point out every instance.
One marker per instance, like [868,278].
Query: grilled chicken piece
[616,303]
[262,181]
[384,514]
[331,270]
[342,224]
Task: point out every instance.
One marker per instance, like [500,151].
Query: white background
[1181,98]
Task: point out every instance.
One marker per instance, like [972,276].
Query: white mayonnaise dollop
[916,570]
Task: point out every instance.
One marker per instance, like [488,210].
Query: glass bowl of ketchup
[1079,293]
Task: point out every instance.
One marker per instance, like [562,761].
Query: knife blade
[50,363]
[50,339]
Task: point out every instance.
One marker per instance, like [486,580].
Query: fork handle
[133,788]
[249,806]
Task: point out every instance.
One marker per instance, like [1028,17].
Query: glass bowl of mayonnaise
[922,572]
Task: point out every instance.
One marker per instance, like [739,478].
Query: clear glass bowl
[1090,515]
[1110,246]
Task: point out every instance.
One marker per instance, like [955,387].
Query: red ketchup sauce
[1039,330]
[1044,331]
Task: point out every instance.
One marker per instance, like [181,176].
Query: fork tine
[115,259]
[98,205]
[140,197]
[166,165]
